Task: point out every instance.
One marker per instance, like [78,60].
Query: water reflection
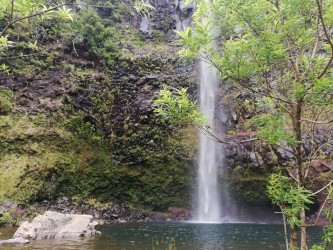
[180,236]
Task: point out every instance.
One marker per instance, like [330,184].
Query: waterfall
[208,209]
[145,25]
[213,203]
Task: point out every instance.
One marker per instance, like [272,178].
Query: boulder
[57,225]
[7,206]
[179,213]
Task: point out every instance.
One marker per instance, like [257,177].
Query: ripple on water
[140,236]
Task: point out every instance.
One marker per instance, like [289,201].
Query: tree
[282,52]
[19,17]
[18,14]
[16,11]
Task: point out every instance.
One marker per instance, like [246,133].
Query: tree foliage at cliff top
[19,16]
[278,46]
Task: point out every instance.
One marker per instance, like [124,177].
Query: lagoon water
[172,235]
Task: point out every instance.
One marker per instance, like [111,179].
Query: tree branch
[320,12]
[241,82]
[293,61]
[316,122]
[20,56]
[208,133]
[323,188]
[293,177]
[320,176]
[12,11]
[11,22]
[315,152]
[321,210]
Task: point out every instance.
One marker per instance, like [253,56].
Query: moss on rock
[6,105]
[249,184]
[45,158]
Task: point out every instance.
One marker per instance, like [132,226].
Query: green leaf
[177,108]
[33,46]
[143,7]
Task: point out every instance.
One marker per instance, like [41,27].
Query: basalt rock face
[77,125]
[168,17]
[250,163]
[235,119]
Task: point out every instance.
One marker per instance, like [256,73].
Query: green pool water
[180,236]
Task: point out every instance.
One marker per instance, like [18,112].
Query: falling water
[145,25]
[208,209]
[214,204]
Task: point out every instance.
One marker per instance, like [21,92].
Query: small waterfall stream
[145,25]
[208,209]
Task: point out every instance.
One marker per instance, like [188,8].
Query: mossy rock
[6,105]
[30,150]
[4,218]
[45,158]
[140,162]
[249,184]
[251,192]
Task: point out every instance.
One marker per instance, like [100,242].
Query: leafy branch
[13,21]
[328,37]
[143,7]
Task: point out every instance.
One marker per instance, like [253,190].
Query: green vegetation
[177,108]
[18,16]
[63,117]
[143,7]
[292,199]
[5,101]
[248,184]
[42,158]
[98,25]
[280,51]
[101,40]
[4,219]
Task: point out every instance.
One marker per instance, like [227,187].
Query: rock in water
[14,241]
[57,225]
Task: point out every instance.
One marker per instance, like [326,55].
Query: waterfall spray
[208,209]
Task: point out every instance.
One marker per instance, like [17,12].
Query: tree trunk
[298,134]
[296,120]
[285,228]
[303,231]
[300,170]
[293,238]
